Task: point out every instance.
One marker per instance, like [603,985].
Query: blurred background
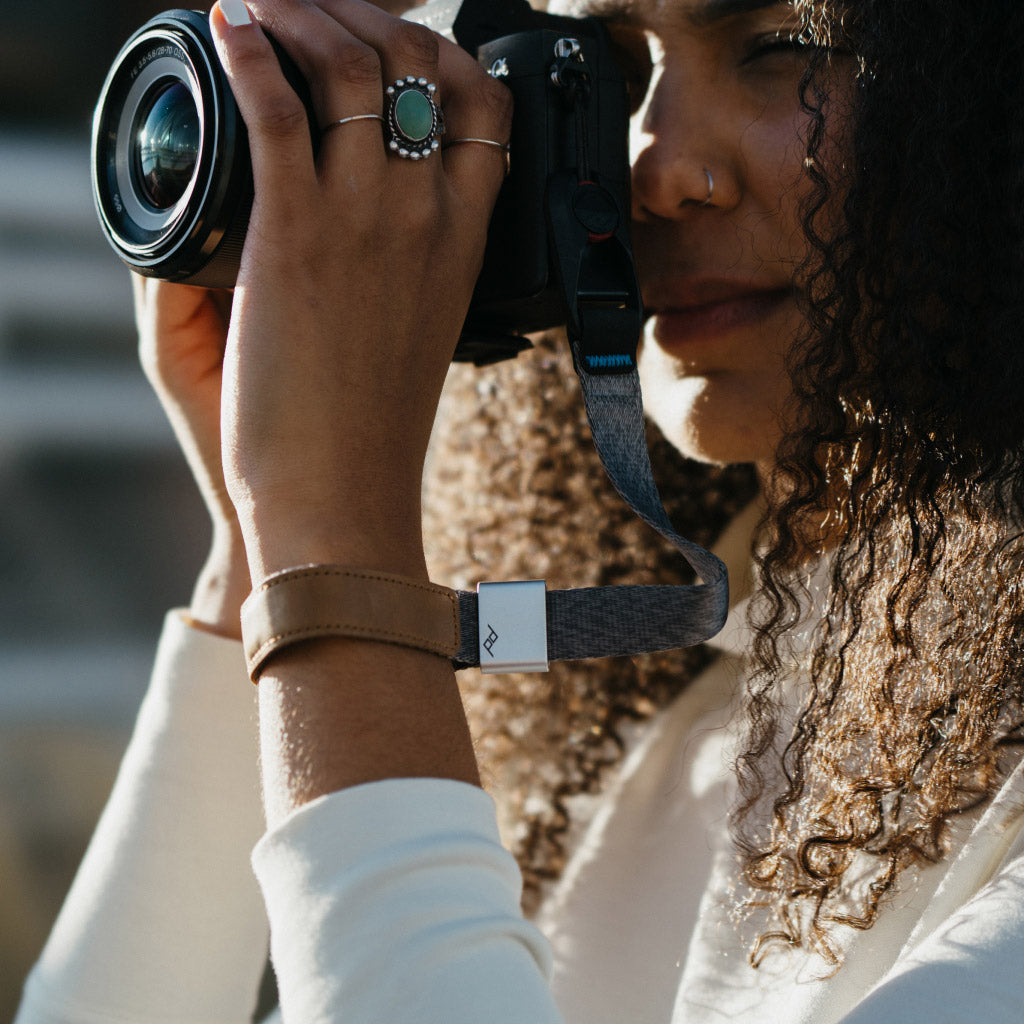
[100,527]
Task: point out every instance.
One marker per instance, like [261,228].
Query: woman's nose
[681,160]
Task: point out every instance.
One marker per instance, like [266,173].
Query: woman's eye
[781,44]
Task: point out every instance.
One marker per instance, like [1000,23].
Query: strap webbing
[600,622]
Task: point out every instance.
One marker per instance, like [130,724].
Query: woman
[834,290]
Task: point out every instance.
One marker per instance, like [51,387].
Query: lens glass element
[165,147]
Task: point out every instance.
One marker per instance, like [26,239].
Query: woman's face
[718,273]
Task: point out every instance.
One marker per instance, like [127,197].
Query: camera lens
[166,143]
[171,174]
[170,158]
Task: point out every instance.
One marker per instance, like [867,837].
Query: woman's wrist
[222,585]
[389,542]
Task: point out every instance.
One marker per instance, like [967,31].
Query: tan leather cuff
[331,600]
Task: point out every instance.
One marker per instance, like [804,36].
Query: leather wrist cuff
[331,600]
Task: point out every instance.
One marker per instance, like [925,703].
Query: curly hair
[515,490]
[904,449]
[900,471]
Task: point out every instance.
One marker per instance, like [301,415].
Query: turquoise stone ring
[414,122]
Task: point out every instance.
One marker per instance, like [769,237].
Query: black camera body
[558,248]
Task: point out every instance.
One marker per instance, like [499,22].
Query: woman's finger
[279,137]
[343,71]
[474,104]
[480,109]
[349,52]
[406,51]
[406,48]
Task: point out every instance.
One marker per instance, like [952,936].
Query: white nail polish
[235,12]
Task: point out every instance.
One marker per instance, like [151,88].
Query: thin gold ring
[354,117]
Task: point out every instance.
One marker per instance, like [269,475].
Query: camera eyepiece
[172,179]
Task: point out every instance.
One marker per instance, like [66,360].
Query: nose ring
[711,187]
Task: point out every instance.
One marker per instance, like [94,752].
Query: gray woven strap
[600,622]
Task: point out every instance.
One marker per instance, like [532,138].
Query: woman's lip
[689,324]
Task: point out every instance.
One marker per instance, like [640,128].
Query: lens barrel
[172,179]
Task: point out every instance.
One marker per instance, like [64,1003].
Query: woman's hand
[182,335]
[355,280]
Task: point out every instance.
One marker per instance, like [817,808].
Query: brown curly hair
[905,439]
[900,470]
[515,490]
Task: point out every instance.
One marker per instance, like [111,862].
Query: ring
[414,122]
[711,187]
[486,142]
[354,117]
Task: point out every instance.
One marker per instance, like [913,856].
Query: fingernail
[235,12]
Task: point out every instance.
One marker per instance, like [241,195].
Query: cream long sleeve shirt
[395,902]
[164,922]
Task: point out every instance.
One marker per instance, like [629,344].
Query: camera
[172,178]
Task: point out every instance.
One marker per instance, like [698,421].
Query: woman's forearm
[335,713]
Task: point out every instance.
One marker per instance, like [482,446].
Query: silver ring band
[354,117]
[711,187]
[486,142]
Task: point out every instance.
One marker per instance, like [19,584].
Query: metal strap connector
[513,626]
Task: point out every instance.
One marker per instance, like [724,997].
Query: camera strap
[520,627]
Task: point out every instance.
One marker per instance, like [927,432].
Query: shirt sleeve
[968,969]
[395,901]
[164,921]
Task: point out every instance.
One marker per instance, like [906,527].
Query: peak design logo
[492,639]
